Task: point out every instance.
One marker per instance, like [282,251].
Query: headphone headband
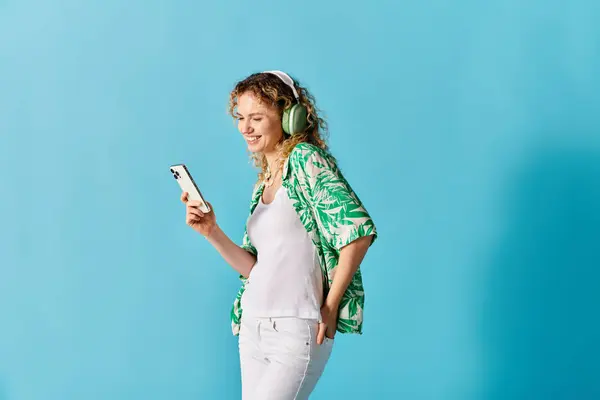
[294,119]
[286,79]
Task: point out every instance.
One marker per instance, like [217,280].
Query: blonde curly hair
[273,91]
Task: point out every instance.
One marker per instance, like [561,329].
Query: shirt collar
[285,172]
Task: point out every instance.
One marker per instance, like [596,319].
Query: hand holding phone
[187,184]
[199,215]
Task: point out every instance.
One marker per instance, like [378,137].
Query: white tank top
[286,280]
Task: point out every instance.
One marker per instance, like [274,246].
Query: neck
[272,159]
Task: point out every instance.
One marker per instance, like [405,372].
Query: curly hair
[273,91]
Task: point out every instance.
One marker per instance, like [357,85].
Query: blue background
[470,130]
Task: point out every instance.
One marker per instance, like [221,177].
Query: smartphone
[187,184]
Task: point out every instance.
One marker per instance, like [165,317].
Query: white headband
[286,79]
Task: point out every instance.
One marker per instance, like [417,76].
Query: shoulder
[256,193]
[309,155]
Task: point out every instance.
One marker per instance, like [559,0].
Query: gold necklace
[269,178]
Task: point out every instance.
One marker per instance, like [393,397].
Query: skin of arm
[238,258]
[350,259]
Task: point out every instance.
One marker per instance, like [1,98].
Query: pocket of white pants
[295,335]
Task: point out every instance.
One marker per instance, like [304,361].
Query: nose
[245,127]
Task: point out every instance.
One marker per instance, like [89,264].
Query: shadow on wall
[541,316]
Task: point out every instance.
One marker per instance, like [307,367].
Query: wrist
[214,234]
[332,303]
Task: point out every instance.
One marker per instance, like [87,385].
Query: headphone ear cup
[294,119]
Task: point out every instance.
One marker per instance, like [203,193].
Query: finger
[194,211]
[184,197]
[191,219]
[321,333]
[194,203]
[330,332]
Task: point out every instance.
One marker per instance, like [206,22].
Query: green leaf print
[333,216]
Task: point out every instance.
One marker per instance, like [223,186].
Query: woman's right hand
[202,223]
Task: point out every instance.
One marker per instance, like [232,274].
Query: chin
[255,149]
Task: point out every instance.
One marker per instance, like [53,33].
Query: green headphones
[295,118]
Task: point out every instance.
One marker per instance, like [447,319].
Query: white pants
[280,358]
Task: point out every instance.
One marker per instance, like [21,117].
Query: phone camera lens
[174,176]
[172,171]
[177,173]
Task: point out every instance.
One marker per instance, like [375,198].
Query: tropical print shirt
[333,216]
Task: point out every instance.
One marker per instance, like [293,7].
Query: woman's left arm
[344,225]
[351,256]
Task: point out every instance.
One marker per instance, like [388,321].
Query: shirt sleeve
[247,245]
[340,215]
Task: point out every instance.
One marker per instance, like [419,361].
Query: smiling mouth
[253,139]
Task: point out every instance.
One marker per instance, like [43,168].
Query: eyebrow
[251,114]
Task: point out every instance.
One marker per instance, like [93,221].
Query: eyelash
[255,119]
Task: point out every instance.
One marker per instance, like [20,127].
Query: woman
[305,238]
